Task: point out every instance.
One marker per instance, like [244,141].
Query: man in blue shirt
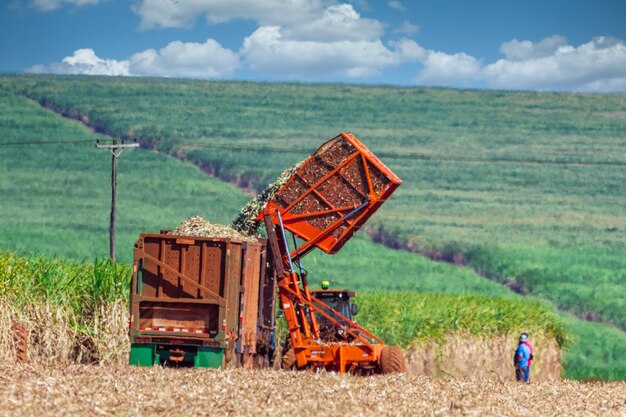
[521,359]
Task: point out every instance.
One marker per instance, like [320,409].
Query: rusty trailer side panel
[250,294]
[250,281]
[196,291]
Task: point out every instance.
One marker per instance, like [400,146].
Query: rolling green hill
[56,198]
[556,230]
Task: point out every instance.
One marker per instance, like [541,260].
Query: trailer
[199,301]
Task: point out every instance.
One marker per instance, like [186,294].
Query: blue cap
[523,337]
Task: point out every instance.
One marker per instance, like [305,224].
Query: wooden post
[113,198]
[116,150]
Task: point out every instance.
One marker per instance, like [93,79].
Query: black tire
[392,360]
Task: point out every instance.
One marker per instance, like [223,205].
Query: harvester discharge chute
[323,204]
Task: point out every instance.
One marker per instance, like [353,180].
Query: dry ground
[128,391]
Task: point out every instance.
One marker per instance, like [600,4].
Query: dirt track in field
[130,391]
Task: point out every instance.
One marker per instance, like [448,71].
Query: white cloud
[525,50]
[312,40]
[84,61]
[182,13]
[551,64]
[409,51]
[395,4]
[607,85]
[48,5]
[339,43]
[599,65]
[407,28]
[444,69]
[177,59]
[267,52]
[296,39]
[337,22]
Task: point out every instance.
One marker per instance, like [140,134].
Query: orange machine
[322,205]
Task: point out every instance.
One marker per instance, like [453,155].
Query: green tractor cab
[339,301]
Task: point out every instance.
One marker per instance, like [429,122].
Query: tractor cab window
[336,301]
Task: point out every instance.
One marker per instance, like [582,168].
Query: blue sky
[522,45]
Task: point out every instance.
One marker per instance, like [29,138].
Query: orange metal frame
[352,216]
[296,301]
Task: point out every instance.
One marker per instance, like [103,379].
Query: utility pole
[116,150]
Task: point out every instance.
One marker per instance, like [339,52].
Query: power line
[419,156]
[388,155]
[263,148]
[184,142]
[440,158]
[45,142]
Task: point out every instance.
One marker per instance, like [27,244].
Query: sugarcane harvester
[322,205]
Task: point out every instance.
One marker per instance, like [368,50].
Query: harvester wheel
[288,361]
[392,360]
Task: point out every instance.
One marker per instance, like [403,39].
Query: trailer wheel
[288,361]
[392,360]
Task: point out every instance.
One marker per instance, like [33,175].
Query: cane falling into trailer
[194,300]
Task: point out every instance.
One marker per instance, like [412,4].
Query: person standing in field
[530,346]
[522,359]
